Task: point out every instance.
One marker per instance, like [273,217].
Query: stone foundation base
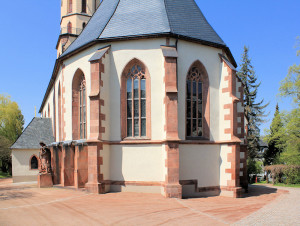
[173,191]
[45,180]
[235,192]
[95,188]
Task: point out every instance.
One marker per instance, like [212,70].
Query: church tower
[75,14]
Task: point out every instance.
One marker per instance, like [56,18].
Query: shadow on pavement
[15,195]
[258,190]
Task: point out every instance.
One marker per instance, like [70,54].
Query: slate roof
[39,129]
[117,19]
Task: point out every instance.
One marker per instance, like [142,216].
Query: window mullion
[140,121]
[197,107]
[132,105]
[192,107]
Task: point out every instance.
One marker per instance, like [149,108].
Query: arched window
[59,113]
[197,102]
[83,6]
[79,106]
[83,25]
[135,100]
[70,28]
[34,163]
[70,6]
[54,115]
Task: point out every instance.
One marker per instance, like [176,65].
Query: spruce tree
[275,139]
[254,111]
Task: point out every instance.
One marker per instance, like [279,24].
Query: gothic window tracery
[136,101]
[194,109]
[82,108]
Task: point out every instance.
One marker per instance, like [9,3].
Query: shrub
[291,172]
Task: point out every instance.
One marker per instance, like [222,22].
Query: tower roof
[119,19]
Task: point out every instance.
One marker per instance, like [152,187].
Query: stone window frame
[59,111]
[123,98]
[38,162]
[78,83]
[204,79]
[69,28]
[70,6]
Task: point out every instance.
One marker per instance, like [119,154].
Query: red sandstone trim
[95,179]
[172,188]
[134,183]
[234,170]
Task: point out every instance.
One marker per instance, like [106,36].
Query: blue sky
[30,29]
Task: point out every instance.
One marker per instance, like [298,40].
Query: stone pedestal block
[173,191]
[45,180]
[98,188]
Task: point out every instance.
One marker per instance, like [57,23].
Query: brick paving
[27,205]
[285,210]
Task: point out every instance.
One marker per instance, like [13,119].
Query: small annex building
[26,149]
[144,97]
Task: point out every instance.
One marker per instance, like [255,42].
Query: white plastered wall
[105,167]
[200,162]
[21,162]
[188,53]
[148,51]
[121,53]
[137,163]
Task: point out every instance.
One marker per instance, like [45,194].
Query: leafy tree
[5,154]
[290,87]
[254,111]
[11,119]
[254,167]
[291,152]
[276,139]
[11,127]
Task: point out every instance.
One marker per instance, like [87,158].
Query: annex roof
[38,130]
[118,19]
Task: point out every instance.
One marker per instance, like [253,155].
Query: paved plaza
[25,204]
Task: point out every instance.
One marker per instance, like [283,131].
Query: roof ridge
[167,13]
[204,17]
[109,18]
[23,131]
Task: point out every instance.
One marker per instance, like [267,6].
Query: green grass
[261,182]
[280,184]
[4,175]
[288,185]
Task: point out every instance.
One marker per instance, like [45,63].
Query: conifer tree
[254,111]
[275,139]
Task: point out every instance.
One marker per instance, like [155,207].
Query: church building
[144,97]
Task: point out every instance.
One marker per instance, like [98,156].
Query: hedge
[288,174]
